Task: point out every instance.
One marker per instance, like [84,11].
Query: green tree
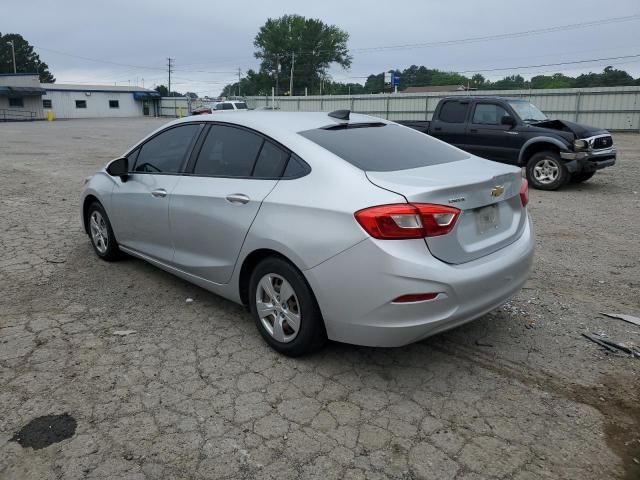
[478,80]
[164,92]
[253,83]
[557,80]
[610,77]
[27,60]
[511,82]
[310,44]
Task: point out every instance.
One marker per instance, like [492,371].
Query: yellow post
[49,116]
[180,111]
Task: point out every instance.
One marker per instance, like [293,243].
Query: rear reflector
[524,192]
[415,297]
[407,220]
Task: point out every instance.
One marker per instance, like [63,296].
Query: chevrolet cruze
[326,226]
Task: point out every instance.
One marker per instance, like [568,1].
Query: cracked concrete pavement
[196,393]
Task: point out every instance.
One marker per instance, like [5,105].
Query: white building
[20,97]
[92,101]
[23,97]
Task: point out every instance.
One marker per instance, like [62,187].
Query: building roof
[69,87]
[434,88]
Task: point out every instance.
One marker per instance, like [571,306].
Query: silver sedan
[327,226]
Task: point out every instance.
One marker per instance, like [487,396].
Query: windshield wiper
[534,120]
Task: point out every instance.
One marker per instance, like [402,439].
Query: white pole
[305,91]
[273,98]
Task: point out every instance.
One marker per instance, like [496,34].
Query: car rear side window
[384,148]
[228,152]
[241,106]
[271,161]
[295,168]
[165,152]
[453,111]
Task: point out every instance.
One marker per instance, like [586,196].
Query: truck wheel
[545,171]
[581,177]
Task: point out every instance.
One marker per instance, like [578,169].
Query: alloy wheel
[546,171]
[278,307]
[99,232]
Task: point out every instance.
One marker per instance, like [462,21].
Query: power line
[501,36]
[541,31]
[575,62]
[99,60]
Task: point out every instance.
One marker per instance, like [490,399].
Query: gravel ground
[195,393]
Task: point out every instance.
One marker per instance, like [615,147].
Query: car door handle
[473,130]
[159,193]
[237,198]
[437,129]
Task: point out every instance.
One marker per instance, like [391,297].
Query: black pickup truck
[512,130]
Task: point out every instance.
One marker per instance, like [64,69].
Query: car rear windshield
[383,147]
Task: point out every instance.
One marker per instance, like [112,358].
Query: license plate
[487,218]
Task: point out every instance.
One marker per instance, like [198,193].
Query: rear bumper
[589,161]
[355,289]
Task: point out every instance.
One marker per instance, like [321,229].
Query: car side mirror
[119,168]
[508,120]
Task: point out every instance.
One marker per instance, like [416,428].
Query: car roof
[277,123]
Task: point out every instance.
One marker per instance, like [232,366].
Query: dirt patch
[616,399]
[44,431]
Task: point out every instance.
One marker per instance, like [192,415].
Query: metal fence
[13,115]
[175,107]
[614,108]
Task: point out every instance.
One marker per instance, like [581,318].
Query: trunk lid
[486,192]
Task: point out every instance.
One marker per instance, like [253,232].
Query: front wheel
[546,171]
[581,177]
[101,234]
[284,308]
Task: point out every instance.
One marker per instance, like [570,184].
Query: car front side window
[488,114]
[166,152]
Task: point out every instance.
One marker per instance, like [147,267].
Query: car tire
[101,234]
[581,176]
[546,171]
[293,325]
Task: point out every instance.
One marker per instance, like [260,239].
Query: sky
[128,42]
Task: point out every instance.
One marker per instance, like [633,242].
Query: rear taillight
[407,220]
[524,192]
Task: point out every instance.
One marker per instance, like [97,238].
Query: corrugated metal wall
[174,107]
[614,108]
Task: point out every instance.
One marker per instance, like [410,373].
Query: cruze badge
[457,200]
[497,191]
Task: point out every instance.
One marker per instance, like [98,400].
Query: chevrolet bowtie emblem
[497,191]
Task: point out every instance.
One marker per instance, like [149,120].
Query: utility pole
[170,70]
[293,62]
[13,53]
[239,73]
[277,70]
